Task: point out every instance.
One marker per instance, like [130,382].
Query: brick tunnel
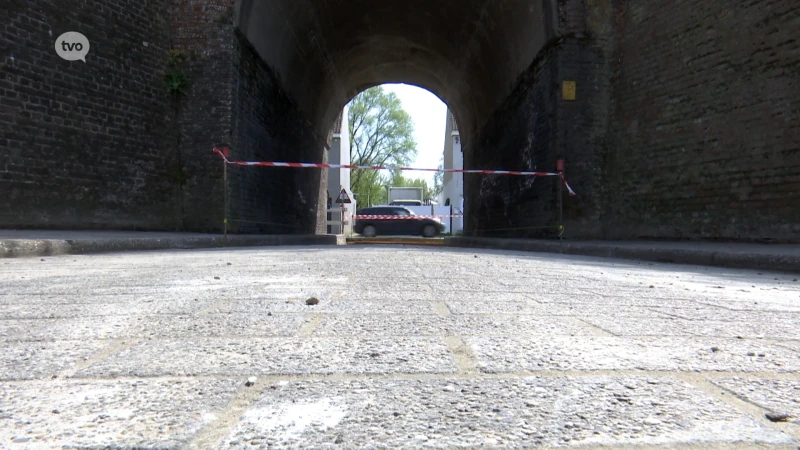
[684,123]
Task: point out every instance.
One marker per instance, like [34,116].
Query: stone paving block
[239,357]
[326,305]
[484,284]
[27,360]
[781,396]
[761,304]
[18,329]
[109,414]
[721,314]
[165,326]
[499,305]
[680,327]
[220,325]
[533,353]
[384,294]
[546,309]
[638,301]
[468,296]
[500,413]
[421,325]
[659,291]
[84,328]
[32,299]
[65,310]
[792,345]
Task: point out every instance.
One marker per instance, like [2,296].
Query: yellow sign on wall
[568,90]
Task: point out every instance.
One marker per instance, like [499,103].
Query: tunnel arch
[470,53]
[337,107]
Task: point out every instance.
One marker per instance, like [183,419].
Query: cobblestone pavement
[407,347]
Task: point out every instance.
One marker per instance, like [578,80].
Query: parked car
[390,226]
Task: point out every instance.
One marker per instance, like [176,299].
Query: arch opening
[322,53]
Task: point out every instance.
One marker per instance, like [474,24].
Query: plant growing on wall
[176,83]
[175,79]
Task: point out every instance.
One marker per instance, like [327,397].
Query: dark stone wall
[519,136]
[535,127]
[267,126]
[105,145]
[707,122]
[203,36]
[86,145]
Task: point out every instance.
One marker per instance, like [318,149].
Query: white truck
[406,196]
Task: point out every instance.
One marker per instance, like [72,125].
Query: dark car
[407,225]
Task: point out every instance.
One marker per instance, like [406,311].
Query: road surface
[407,347]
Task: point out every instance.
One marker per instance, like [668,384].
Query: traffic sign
[343,197]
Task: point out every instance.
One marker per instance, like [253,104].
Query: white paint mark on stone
[289,420]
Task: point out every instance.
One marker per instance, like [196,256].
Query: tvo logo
[72,46]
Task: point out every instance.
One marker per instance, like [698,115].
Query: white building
[338,179]
[339,153]
[453,183]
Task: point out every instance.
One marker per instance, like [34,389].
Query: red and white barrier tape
[351,166]
[385,217]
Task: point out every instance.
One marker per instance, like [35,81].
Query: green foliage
[176,82]
[381,133]
[176,57]
[398,180]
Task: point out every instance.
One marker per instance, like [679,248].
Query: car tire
[369,231]
[429,231]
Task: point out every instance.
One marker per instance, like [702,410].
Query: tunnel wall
[206,39]
[267,126]
[535,126]
[499,205]
[706,122]
[102,144]
[87,145]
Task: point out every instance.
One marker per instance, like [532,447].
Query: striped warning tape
[351,166]
[385,217]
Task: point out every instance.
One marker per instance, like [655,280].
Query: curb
[16,248]
[780,262]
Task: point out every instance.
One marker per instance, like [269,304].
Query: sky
[429,115]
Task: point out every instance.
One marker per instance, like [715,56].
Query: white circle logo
[72,46]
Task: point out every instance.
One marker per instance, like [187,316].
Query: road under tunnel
[676,119]
[471,54]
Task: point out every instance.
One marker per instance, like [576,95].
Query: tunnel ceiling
[467,52]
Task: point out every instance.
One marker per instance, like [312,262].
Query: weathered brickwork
[86,145]
[233,98]
[203,41]
[536,127]
[105,145]
[268,127]
[707,122]
[499,205]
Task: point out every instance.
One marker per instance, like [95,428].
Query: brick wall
[500,205]
[267,126]
[535,127]
[707,122]
[83,144]
[104,145]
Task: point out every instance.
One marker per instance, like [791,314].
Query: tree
[381,133]
[398,180]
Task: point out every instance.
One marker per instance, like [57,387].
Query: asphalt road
[406,347]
